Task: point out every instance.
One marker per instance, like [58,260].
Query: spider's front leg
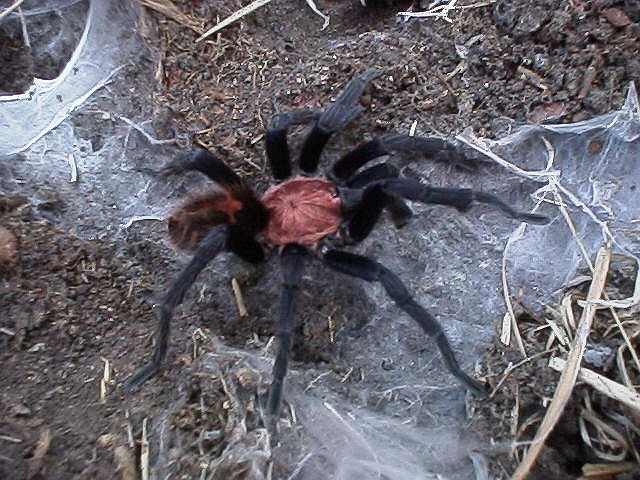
[372,271]
[210,246]
[335,117]
[276,140]
[292,264]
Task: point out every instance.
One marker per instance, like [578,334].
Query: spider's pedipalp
[335,117]
[205,162]
[210,246]
[244,245]
[370,270]
[276,140]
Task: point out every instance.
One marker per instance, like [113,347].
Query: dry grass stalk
[242,308]
[244,11]
[235,16]
[602,384]
[11,8]
[144,451]
[170,10]
[105,380]
[604,440]
[570,373]
[603,471]
[442,11]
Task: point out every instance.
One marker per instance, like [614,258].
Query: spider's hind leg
[460,198]
[370,270]
[334,118]
[292,262]
[380,193]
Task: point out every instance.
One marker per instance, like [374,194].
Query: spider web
[595,171]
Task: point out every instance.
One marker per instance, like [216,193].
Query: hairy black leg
[398,209]
[205,162]
[292,263]
[334,118]
[276,140]
[367,212]
[371,271]
[431,147]
[364,215]
[212,244]
[460,198]
[381,171]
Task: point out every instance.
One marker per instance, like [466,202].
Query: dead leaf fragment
[547,111]
[8,247]
[125,463]
[616,17]
[42,447]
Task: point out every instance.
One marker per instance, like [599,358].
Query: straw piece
[570,373]
[602,384]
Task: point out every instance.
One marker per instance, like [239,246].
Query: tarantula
[303,214]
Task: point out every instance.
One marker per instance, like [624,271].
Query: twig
[244,11]
[608,387]
[25,32]
[144,451]
[237,15]
[511,368]
[298,469]
[152,140]
[11,9]
[533,78]
[590,76]
[570,373]
[140,218]
[74,168]
[442,11]
[242,309]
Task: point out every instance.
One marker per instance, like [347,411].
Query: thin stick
[442,11]
[242,309]
[568,377]
[237,15]
[608,387]
[144,451]
[11,9]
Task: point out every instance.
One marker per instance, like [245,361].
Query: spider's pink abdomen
[302,210]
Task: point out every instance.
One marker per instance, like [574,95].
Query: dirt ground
[69,305]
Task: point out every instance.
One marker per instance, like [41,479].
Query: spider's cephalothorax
[301,213]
